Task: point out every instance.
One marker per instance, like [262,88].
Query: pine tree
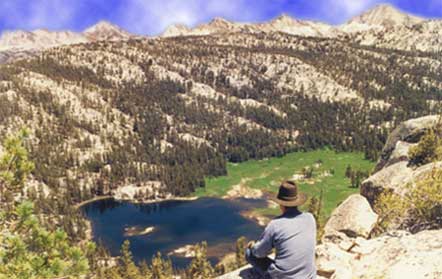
[314,206]
[128,269]
[160,268]
[348,171]
[30,251]
[145,271]
[200,267]
[240,251]
[14,165]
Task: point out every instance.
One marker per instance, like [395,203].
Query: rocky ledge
[347,249]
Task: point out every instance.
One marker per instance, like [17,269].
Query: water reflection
[176,223]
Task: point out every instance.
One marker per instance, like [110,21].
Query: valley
[138,156]
[111,227]
[328,174]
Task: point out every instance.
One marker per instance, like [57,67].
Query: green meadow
[329,175]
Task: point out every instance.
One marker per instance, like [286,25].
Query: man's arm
[264,246]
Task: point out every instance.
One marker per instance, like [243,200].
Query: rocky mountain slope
[283,23]
[381,17]
[382,26]
[112,113]
[348,248]
[43,39]
[18,44]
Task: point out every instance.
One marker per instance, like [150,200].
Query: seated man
[292,234]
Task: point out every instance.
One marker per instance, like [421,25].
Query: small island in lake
[137,231]
[187,251]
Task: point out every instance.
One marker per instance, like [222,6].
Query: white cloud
[352,7]
[37,13]
[143,16]
[153,16]
[56,14]
[339,11]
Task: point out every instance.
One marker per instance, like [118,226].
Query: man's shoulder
[283,218]
[308,216]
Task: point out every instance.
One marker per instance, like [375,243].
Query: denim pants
[260,265]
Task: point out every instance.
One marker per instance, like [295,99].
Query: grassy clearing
[266,175]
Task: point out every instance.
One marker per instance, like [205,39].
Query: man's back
[293,235]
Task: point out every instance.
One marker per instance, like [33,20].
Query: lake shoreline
[170,226]
[108,197]
[94,199]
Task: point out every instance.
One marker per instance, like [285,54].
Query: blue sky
[150,17]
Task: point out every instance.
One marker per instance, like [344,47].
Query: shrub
[429,149]
[420,208]
[314,206]
[240,252]
[30,251]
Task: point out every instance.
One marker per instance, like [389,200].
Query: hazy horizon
[153,17]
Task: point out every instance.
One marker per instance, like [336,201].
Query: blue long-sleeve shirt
[293,235]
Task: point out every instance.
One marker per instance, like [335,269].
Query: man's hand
[250,244]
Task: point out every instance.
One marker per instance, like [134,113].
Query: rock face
[399,153]
[147,191]
[407,132]
[243,273]
[392,172]
[395,178]
[395,255]
[242,191]
[382,16]
[354,217]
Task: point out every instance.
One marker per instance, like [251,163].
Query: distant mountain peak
[385,7]
[385,15]
[40,39]
[102,25]
[219,20]
[104,30]
[220,23]
[176,30]
[216,25]
[284,17]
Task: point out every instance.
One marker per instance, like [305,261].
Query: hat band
[288,198]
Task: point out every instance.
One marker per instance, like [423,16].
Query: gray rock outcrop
[399,153]
[395,178]
[407,132]
[397,255]
[151,190]
[353,217]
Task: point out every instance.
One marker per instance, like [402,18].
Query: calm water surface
[176,223]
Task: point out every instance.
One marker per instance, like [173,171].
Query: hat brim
[300,200]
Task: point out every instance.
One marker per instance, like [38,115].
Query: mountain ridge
[382,25]
[40,39]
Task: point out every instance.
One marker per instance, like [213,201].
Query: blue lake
[176,224]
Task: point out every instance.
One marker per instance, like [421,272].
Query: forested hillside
[174,110]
